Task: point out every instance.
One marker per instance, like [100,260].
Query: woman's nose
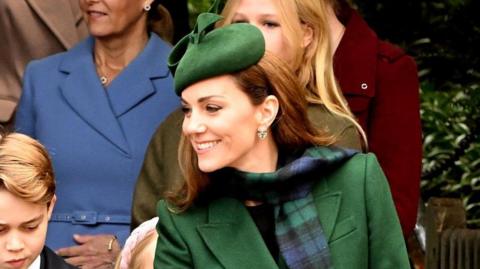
[194,124]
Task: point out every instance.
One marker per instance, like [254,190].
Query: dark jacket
[50,260]
[380,83]
[160,169]
[354,207]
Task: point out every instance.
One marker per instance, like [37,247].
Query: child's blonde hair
[25,169]
[134,254]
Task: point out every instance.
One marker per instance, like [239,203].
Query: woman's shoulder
[158,46]
[344,131]
[55,61]
[45,64]
[360,163]
[167,213]
[222,209]
[356,172]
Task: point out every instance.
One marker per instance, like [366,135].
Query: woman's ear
[51,205]
[307,35]
[148,2]
[267,111]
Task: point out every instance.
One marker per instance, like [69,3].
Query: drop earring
[262,134]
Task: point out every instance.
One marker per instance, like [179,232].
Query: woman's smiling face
[114,17]
[221,124]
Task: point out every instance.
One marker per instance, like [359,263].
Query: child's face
[23,228]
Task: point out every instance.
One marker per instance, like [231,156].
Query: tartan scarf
[299,234]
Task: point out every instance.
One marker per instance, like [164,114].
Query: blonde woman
[298,31]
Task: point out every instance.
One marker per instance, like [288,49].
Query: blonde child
[27,198]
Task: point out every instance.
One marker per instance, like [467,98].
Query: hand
[92,251]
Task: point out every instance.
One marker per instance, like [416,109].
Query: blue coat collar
[100,108]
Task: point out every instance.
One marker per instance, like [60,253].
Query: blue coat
[96,137]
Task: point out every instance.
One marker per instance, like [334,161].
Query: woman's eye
[213,108]
[239,21]
[186,110]
[271,24]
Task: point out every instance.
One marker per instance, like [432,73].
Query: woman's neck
[112,54]
[337,29]
[265,158]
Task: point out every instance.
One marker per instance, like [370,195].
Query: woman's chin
[209,166]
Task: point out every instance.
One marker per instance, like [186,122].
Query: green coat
[355,209]
[160,168]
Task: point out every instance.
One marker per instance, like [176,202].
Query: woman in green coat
[263,188]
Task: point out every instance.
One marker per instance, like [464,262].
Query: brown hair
[291,129]
[313,64]
[160,22]
[25,169]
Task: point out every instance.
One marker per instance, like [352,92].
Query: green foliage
[447,120]
[196,7]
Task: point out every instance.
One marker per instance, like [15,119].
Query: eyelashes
[209,108]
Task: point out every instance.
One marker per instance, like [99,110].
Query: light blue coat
[96,137]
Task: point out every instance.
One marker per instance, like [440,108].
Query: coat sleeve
[171,251]
[394,134]
[25,114]
[385,240]
[160,169]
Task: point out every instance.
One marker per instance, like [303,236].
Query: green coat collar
[244,240]
[234,247]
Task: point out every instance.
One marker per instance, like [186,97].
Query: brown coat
[33,29]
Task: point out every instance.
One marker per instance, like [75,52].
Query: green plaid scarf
[299,234]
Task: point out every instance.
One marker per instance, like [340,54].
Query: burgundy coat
[380,83]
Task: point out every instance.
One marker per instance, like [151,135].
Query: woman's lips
[202,147]
[96,14]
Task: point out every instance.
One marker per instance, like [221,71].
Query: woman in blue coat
[95,107]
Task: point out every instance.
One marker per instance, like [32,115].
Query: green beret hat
[208,52]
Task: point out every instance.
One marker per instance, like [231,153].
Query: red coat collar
[356,56]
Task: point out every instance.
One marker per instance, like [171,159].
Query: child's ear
[51,205]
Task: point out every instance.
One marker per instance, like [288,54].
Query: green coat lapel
[233,238]
[328,206]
